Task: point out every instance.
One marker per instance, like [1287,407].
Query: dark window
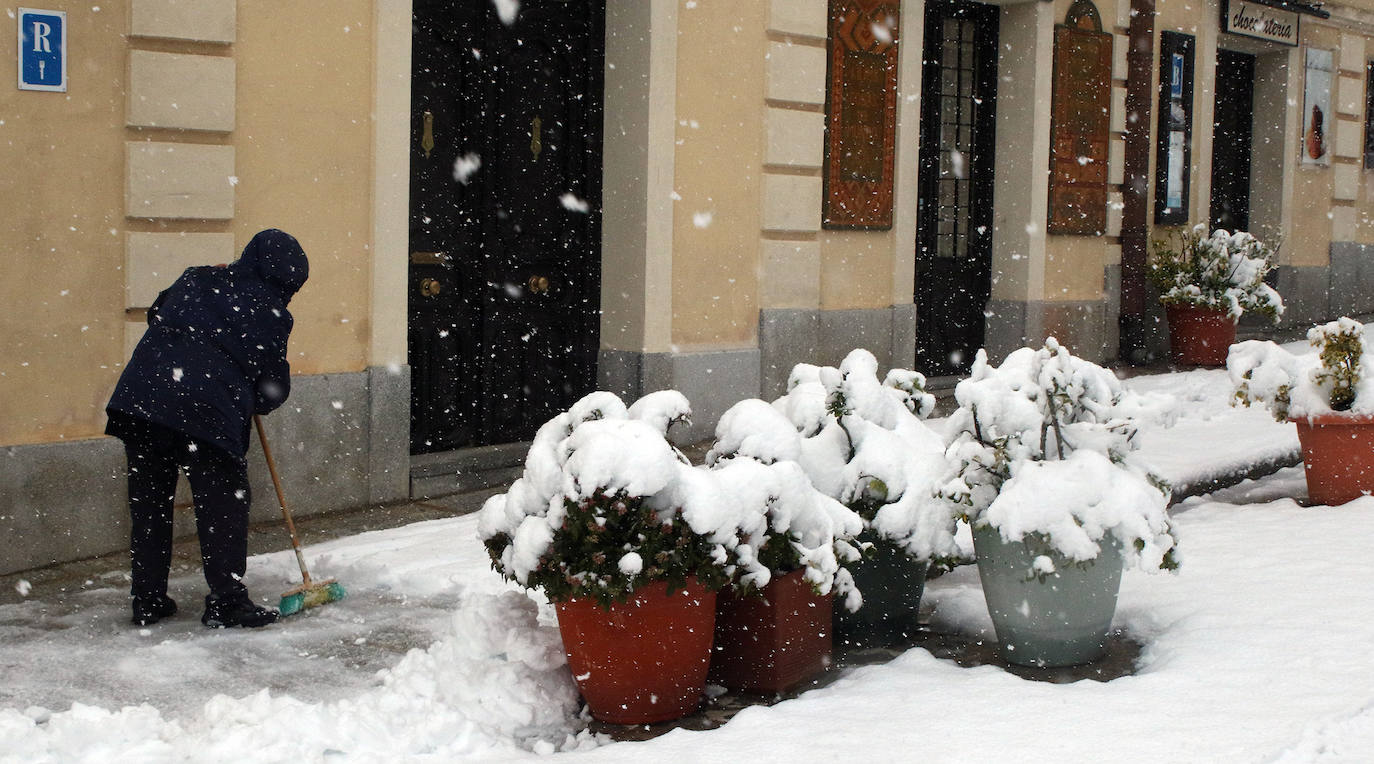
[1369,117]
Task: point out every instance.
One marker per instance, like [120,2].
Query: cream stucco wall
[302,145]
[717,173]
[1308,241]
[61,234]
[857,268]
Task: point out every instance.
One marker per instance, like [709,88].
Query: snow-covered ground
[1261,648]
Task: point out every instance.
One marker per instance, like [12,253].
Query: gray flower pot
[1056,619]
[891,584]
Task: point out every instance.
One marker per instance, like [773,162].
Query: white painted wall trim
[638,175]
[390,182]
[910,49]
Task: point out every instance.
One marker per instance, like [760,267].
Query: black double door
[1232,141]
[505,205]
[954,216]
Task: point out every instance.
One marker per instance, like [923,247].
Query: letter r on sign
[40,37]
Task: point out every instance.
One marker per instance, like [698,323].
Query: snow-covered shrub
[863,443]
[1329,379]
[1224,271]
[755,461]
[607,505]
[1042,446]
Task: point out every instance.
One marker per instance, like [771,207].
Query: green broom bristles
[305,597]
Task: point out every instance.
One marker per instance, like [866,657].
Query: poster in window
[1173,148]
[1316,108]
[861,114]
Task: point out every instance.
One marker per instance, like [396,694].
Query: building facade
[507,205]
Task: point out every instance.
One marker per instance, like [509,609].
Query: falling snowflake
[882,32]
[702,219]
[507,10]
[570,201]
[956,164]
[465,166]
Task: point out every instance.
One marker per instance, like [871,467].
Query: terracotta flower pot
[1199,336]
[1338,456]
[645,659]
[773,642]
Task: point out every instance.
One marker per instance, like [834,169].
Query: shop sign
[42,50]
[1259,21]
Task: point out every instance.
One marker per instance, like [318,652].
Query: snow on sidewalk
[1261,647]
[1210,440]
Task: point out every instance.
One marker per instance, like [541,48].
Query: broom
[309,594]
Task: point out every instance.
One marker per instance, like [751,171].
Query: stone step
[465,469]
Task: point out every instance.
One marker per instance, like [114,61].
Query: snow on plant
[1224,271]
[864,444]
[1042,447]
[1293,386]
[755,459]
[607,505]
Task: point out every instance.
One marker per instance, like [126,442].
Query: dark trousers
[219,487]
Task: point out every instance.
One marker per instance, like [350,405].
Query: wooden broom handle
[281,498]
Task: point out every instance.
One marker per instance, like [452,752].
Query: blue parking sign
[42,50]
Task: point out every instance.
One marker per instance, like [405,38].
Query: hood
[278,259]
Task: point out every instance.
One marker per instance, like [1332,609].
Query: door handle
[427,139]
[538,284]
[430,287]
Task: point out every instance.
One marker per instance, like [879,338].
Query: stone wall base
[340,442]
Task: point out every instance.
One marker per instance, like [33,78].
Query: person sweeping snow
[213,356]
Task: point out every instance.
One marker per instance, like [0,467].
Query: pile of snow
[755,460]
[1224,270]
[600,451]
[497,682]
[1044,444]
[1297,385]
[865,444]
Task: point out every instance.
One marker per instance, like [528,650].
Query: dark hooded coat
[214,352]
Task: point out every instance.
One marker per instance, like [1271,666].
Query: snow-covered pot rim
[1333,418]
[1079,502]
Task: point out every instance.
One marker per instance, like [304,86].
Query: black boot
[150,610]
[224,612]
